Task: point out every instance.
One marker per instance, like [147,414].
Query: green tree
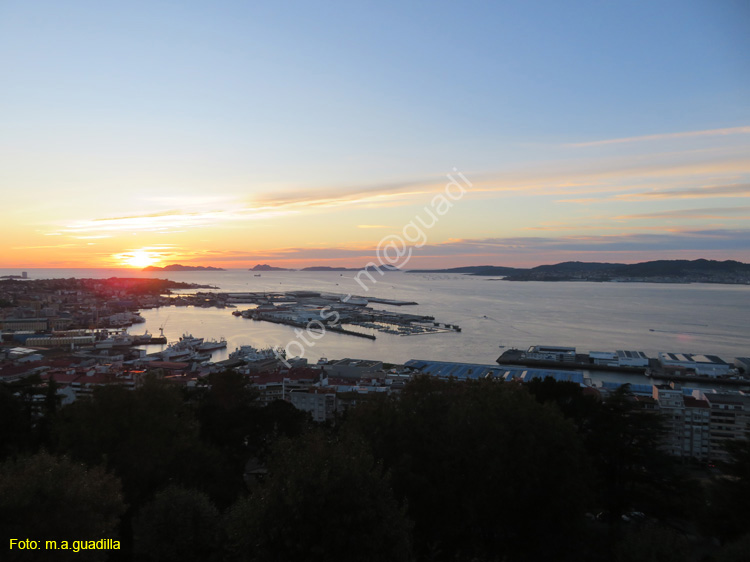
[147,436]
[567,396]
[177,525]
[736,551]
[652,544]
[53,498]
[623,442]
[728,516]
[323,500]
[15,423]
[483,468]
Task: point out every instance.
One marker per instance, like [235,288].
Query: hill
[266,267]
[660,271]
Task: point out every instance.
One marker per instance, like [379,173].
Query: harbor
[673,367]
[338,313]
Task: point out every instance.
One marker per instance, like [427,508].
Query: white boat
[171,354]
[188,338]
[250,353]
[179,350]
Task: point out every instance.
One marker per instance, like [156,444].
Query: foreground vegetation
[459,471]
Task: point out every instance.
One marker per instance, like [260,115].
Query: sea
[494,315]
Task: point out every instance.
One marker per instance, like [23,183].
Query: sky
[417,134]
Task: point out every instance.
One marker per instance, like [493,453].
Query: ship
[141,339]
[212,345]
[250,353]
[182,349]
[189,339]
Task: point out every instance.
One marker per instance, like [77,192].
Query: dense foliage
[445,470]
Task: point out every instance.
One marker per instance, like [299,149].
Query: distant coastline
[661,271]
[178,267]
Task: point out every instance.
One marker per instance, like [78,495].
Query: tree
[735,551]
[623,442]
[54,498]
[652,544]
[728,516]
[567,396]
[146,436]
[15,423]
[323,500]
[483,468]
[233,422]
[177,525]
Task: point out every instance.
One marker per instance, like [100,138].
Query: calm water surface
[695,318]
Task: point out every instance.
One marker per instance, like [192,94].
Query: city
[375,281]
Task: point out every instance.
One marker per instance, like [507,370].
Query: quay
[297,324]
[678,367]
[581,361]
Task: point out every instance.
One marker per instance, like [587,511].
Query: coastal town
[70,334]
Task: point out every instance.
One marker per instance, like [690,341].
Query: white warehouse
[710,365]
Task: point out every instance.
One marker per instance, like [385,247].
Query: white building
[619,358]
[321,404]
[686,420]
[709,365]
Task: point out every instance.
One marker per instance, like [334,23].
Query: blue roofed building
[468,371]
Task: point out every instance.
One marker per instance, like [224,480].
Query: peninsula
[661,271]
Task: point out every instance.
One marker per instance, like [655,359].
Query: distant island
[178,267]
[660,271]
[324,268]
[266,267]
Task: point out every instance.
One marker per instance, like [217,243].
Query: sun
[140,258]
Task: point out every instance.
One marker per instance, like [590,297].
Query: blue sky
[270,129]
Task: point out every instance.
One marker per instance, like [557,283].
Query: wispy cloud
[666,136]
[43,247]
[709,213]
[169,221]
[226,210]
[581,200]
[734,190]
[706,242]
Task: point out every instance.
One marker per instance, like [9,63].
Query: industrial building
[464,371]
[619,358]
[355,368]
[742,363]
[709,365]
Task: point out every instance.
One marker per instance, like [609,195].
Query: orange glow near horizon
[138,259]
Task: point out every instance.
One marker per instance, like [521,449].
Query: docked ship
[250,353]
[180,350]
[212,345]
[142,339]
[190,340]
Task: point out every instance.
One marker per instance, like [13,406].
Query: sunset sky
[232,133]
